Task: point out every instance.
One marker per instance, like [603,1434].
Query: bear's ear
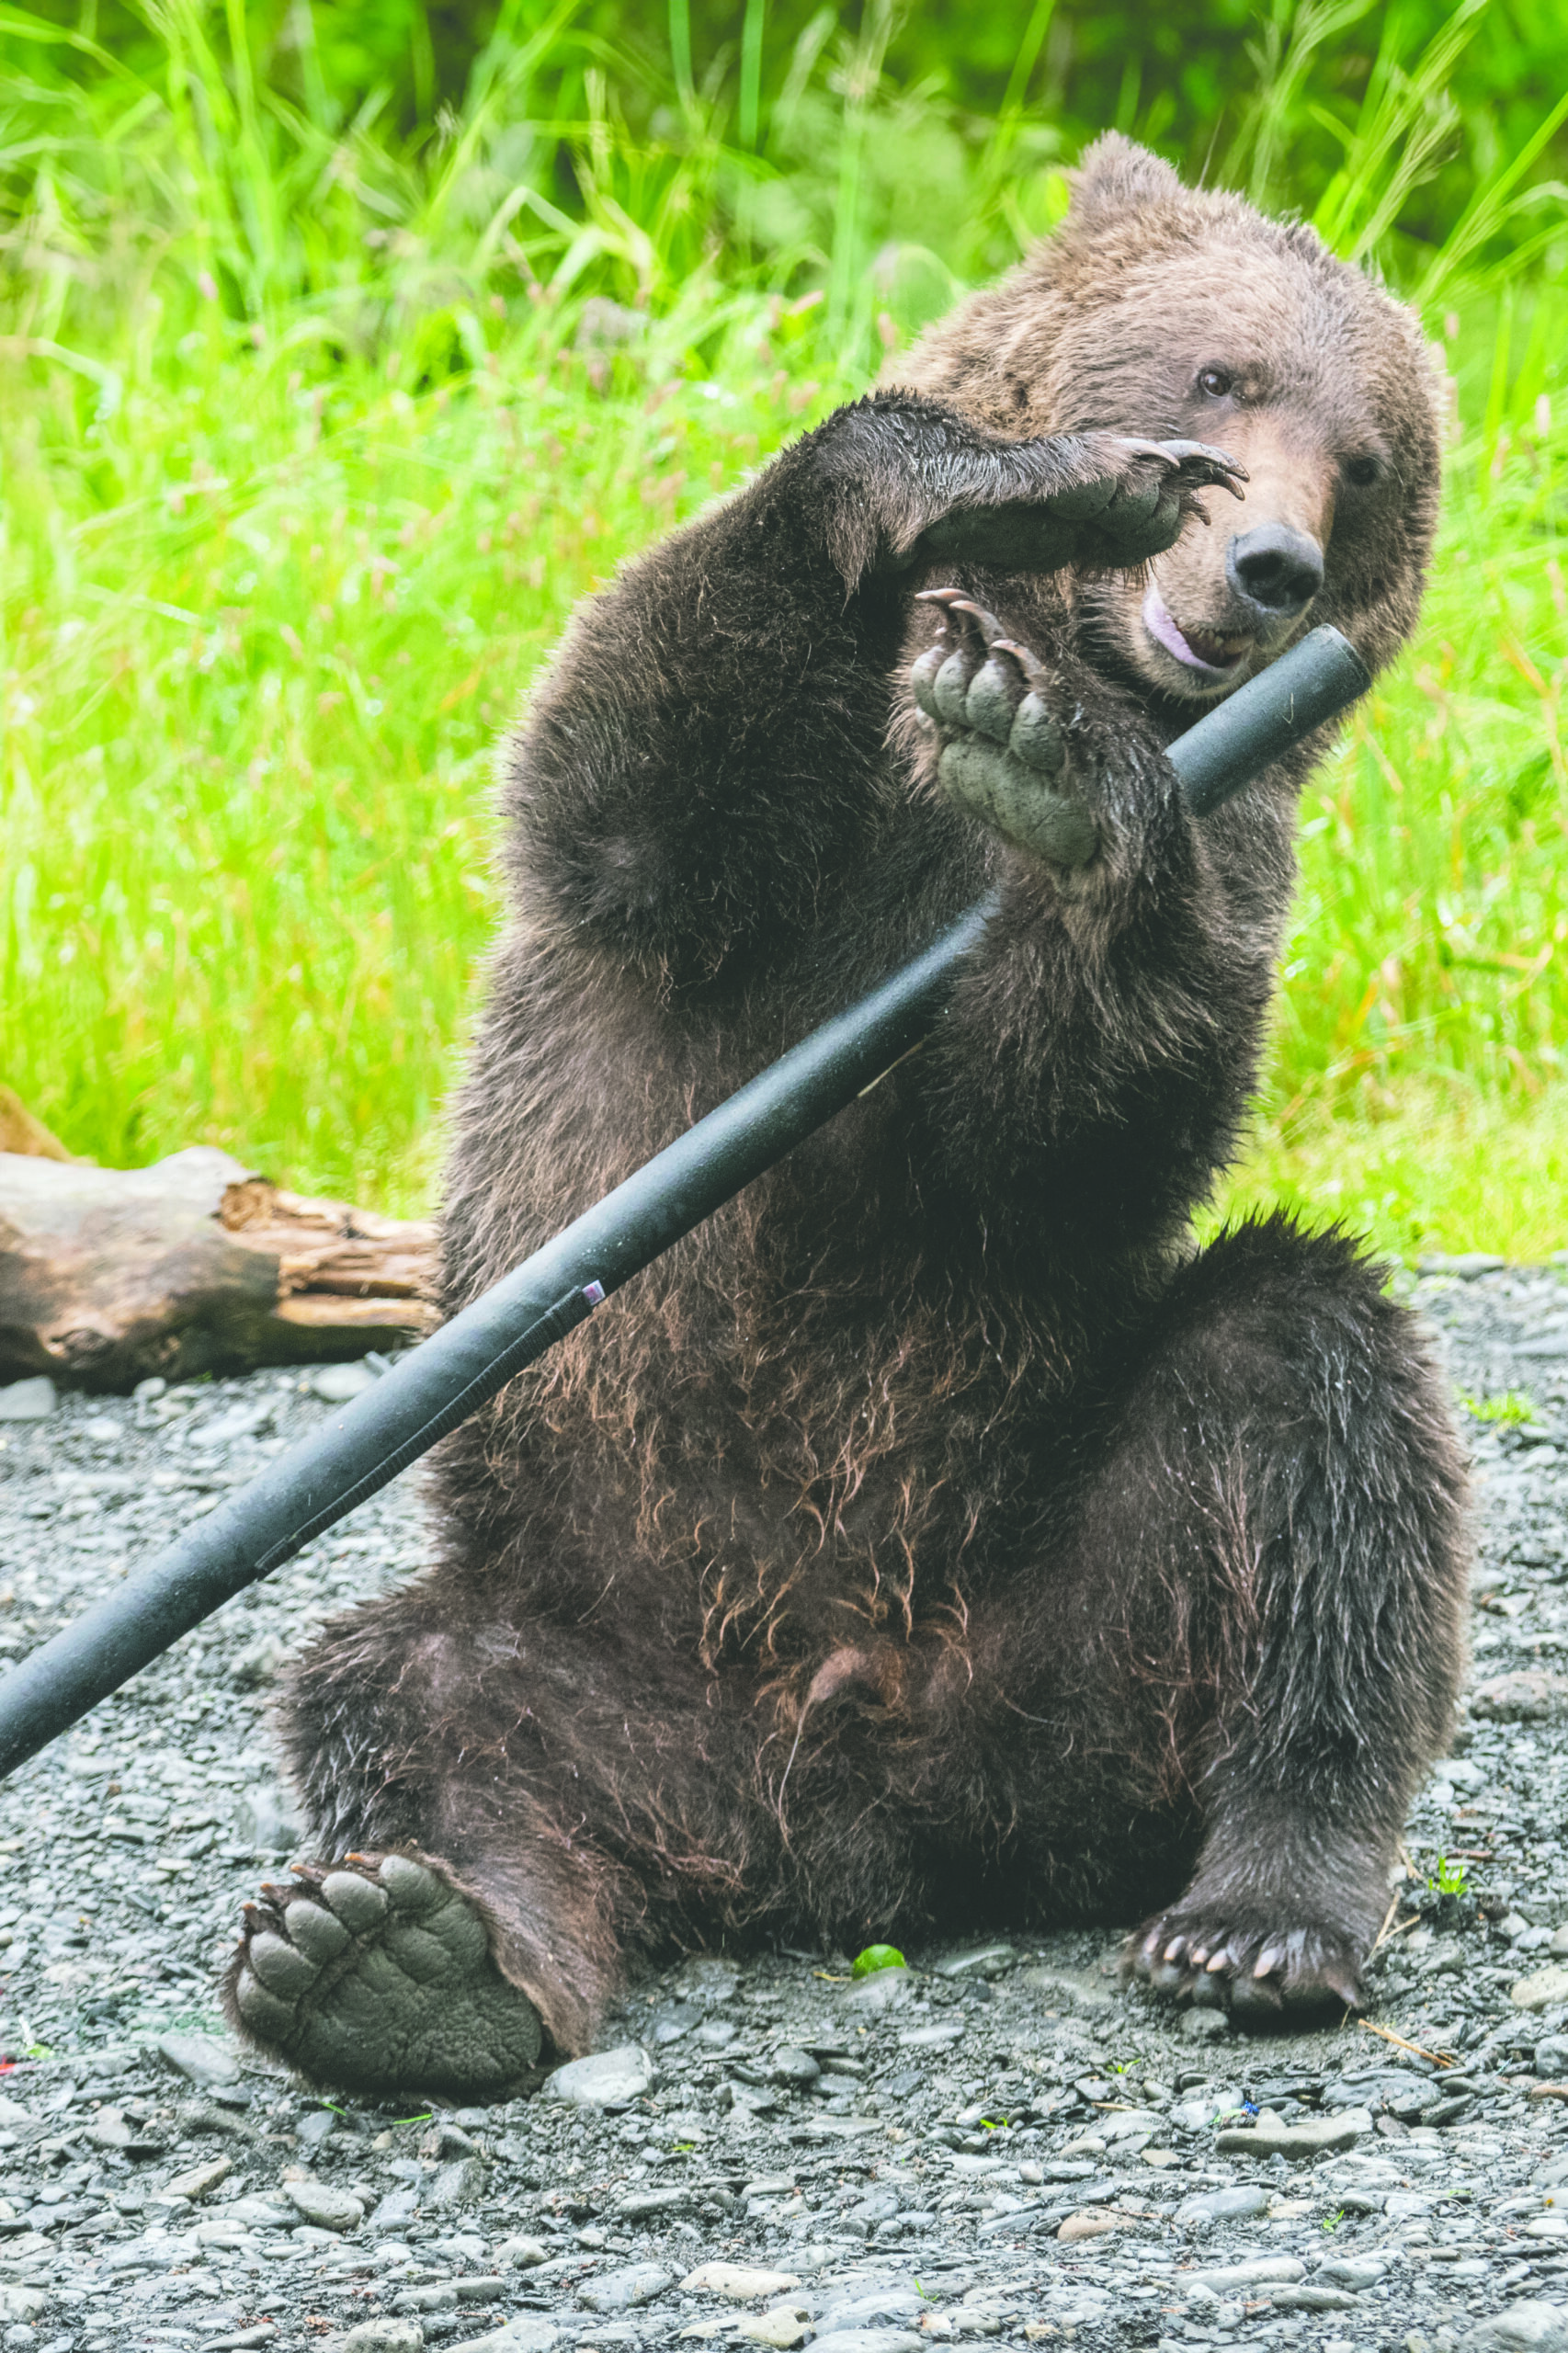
[1114,176]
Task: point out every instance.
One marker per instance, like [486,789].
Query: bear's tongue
[1203,650]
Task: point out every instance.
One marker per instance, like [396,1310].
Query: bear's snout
[1275,570]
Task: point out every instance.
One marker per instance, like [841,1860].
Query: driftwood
[196,1265]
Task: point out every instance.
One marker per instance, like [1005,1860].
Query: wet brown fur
[932,1539]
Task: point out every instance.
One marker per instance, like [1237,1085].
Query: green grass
[259,646]
[303,474]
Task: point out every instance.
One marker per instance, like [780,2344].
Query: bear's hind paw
[375,1974]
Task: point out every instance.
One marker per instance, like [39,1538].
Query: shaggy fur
[934,1539]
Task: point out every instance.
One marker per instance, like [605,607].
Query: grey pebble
[868,2341]
[381,2335]
[608,2079]
[33,1400]
[1524,2328]
[1213,2206]
[619,2291]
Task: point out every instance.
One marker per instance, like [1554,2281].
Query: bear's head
[1177,314]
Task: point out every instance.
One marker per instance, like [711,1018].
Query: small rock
[1205,2025]
[897,2305]
[1088,2226]
[524,2333]
[885,1989]
[240,1421]
[739,2282]
[1229,2276]
[386,2336]
[1464,1265]
[870,2340]
[258,1664]
[783,2325]
[670,2023]
[262,2213]
[1356,2271]
[643,2204]
[1525,1698]
[201,2180]
[452,2187]
[792,2066]
[200,2058]
[1559,1941]
[1208,2206]
[328,2209]
[521,2254]
[608,2079]
[619,2291]
[984,1961]
[1070,1986]
[21,2303]
[334,1384]
[265,1822]
[707,1977]
[1542,1991]
[1312,2299]
[395,2210]
[29,1401]
[1315,2139]
[1528,2327]
[102,1429]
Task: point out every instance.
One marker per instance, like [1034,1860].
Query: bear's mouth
[1213,654]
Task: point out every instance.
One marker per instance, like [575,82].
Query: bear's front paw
[1104,502]
[1004,752]
[1138,497]
[1260,1974]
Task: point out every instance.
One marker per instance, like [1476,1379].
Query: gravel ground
[998,2143]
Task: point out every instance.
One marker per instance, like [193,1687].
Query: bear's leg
[462,1910]
[1288,1506]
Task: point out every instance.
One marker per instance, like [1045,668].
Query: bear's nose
[1275,569]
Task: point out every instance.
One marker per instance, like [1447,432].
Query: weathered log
[196,1265]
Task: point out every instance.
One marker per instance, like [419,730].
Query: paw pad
[378,1976]
[1004,753]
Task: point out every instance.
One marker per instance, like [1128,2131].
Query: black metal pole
[358,1449]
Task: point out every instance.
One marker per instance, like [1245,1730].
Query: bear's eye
[1216,382]
[1362,471]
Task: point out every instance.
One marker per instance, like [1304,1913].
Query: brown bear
[938,1538]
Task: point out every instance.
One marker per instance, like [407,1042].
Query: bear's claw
[375,1974]
[1259,1975]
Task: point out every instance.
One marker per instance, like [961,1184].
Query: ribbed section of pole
[366,1444]
[437,1385]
